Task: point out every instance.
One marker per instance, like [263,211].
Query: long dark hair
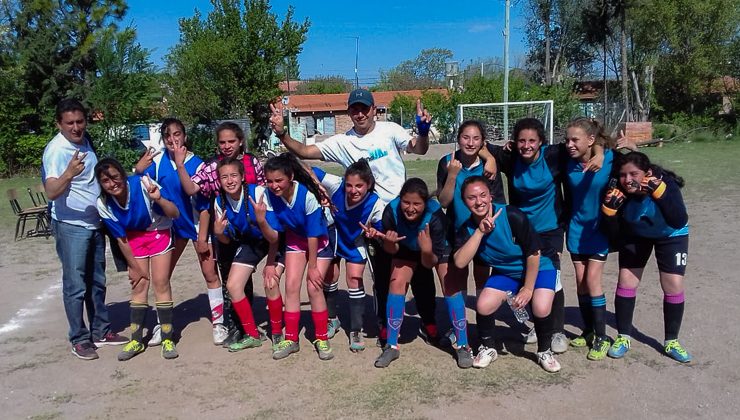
[288,164]
[529,124]
[167,122]
[415,185]
[643,163]
[593,127]
[103,168]
[362,169]
[232,126]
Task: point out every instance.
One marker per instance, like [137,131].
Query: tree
[323,85]
[230,63]
[425,71]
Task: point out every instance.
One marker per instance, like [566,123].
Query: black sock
[624,308]
[598,310]
[330,295]
[672,317]
[558,311]
[249,290]
[356,308]
[543,328]
[584,304]
[164,311]
[138,316]
[486,329]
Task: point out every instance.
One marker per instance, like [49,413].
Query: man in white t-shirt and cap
[382,144]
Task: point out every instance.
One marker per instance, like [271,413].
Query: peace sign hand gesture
[423,119]
[276,120]
[489,222]
[152,189]
[260,209]
[76,165]
[220,224]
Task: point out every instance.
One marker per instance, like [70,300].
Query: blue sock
[456,310]
[394,315]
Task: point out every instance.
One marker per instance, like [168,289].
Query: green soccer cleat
[131,349]
[284,349]
[620,347]
[247,342]
[323,349]
[675,351]
[583,340]
[169,351]
[599,349]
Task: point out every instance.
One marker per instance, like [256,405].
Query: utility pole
[506,71]
[357,59]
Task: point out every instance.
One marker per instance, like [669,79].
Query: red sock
[431,330]
[291,325]
[275,308]
[320,321]
[244,311]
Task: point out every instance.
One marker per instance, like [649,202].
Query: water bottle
[520,314]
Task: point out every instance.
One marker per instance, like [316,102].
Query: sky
[389,31]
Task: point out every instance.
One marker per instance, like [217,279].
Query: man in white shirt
[69,181]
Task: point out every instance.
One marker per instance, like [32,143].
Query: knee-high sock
[164,312]
[356,308]
[544,329]
[584,305]
[486,329]
[394,315]
[320,321]
[244,311]
[275,309]
[138,316]
[456,310]
[216,301]
[598,308]
[292,320]
[672,314]
[624,309]
[330,294]
[558,311]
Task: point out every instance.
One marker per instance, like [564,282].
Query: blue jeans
[82,253]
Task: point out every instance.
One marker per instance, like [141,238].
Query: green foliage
[202,141]
[324,85]
[118,143]
[402,110]
[29,149]
[425,71]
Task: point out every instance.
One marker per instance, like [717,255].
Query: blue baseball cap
[360,96]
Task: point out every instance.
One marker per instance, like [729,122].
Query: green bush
[202,141]
[29,150]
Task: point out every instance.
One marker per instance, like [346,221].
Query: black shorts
[415,256]
[251,253]
[552,245]
[670,253]
[588,257]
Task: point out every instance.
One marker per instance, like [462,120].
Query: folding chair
[38,195]
[37,213]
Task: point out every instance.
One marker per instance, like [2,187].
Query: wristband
[423,126]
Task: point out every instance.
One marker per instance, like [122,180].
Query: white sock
[216,300]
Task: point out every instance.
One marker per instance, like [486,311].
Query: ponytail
[593,127]
[288,164]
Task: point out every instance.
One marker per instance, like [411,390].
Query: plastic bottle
[520,314]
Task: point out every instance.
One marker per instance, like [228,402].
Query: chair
[37,213]
[38,195]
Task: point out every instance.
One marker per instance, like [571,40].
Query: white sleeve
[217,210]
[400,137]
[376,214]
[104,211]
[311,204]
[54,160]
[333,150]
[259,192]
[331,183]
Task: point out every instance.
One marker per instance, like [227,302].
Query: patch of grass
[62,398]
[7,218]
[46,416]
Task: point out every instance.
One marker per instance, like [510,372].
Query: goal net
[499,118]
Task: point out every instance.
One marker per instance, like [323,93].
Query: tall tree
[425,71]
[323,85]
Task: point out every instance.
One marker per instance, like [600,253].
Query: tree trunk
[546,9]
[625,75]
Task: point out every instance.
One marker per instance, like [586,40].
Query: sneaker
[382,338]
[485,356]
[464,357]
[599,349]
[388,355]
[333,327]
[675,351]
[284,349]
[429,334]
[262,333]
[232,337]
[131,349]
[220,332]
[548,361]
[583,340]
[168,349]
[275,339]
[620,347]
[356,342]
[449,339]
[323,349]
[85,351]
[248,342]
[559,343]
[156,336]
[530,337]
[110,339]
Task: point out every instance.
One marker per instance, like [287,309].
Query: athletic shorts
[552,245]
[415,256]
[296,243]
[670,253]
[588,257]
[546,279]
[251,253]
[150,243]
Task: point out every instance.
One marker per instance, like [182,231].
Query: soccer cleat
[220,332]
[530,337]
[323,349]
[559,343]
[85,351]
[675,351]
[131,349]
[284,349]
[232,337]
[275,339]
[247,342]
[110,339]
[263,333]
[168,349]
[548,361]
[464,357]
[620,347]
[583,340]
[485,356]
[449,339]
[332,327]
[156,336]
[599,349]
[388,355]
[356,342]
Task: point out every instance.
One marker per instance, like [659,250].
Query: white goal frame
[547,118]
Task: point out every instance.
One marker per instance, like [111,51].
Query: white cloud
[481,27]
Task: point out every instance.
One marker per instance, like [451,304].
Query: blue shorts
[546,279]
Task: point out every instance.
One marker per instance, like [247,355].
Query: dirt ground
[42,380]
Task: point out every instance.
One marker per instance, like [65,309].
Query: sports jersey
[164,171]
[139,214]
[506,248]
[647,217]
[393,219]
[303,215]
[347,219]
[585,191]
[242,225]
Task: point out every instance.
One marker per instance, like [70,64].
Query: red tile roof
[338,101]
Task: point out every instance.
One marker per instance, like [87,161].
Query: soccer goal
[500,118]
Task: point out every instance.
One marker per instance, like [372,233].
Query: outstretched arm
[294,146]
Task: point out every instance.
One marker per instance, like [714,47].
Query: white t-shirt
[76,205]
[382,148]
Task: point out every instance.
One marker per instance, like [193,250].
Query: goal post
[499,118]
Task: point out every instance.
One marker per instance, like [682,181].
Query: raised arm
[447,190]
[420,144]
[294,146]
[55,187]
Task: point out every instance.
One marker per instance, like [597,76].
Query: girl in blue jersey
[243,216]
[192,225]
[413,231]
[139,217]
[502,237]
[294,198]
[357,206]
[647,212]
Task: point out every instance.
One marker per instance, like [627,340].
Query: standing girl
[649,208]
[136,214]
